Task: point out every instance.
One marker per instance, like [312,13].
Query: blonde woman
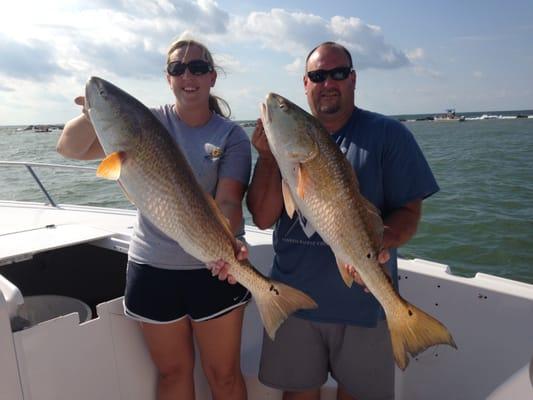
[171,294]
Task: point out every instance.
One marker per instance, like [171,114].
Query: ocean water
[480,221]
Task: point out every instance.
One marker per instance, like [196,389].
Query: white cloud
[296,33]
[419,64]
[478,74]
[416,54]
[296,67]
[6,88]
[283,31]
[25,61]
[130,38]
[125,41]
[426,71]
[119,37]
[228,63]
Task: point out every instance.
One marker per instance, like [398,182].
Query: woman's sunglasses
[196,67]
[337,74]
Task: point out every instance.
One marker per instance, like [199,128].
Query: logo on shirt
[213,152]
[307,227]
[292,236]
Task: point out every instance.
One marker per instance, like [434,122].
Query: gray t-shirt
[219,149]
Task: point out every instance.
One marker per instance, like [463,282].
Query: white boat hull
[105,357]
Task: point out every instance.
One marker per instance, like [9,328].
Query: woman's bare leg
[172,350]
[219,342]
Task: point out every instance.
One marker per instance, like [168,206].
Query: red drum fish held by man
[318,181]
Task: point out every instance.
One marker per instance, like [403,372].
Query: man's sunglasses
[196,67]
[337,74]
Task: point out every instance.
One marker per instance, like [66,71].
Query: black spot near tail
[273,289]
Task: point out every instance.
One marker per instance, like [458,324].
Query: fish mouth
[272,102]
[94,88]
[266,118]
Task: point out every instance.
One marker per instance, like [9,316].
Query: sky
[411,56]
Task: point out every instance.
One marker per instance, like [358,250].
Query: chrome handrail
[29,166]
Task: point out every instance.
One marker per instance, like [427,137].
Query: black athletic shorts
[157,295]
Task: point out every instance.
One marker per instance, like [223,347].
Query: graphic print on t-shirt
[307,227]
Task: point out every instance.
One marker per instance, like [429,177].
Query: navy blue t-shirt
[392,171]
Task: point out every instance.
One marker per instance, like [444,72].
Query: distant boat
[246,124]
[41,128]
[449,116]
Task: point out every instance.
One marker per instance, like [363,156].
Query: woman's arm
[78,139]
[228,197]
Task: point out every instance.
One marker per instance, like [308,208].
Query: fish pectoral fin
[303,156]
[288,200]
[303,180]
[111,166]
[346,277]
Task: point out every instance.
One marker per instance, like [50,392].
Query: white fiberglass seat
[25,312]
[12,296]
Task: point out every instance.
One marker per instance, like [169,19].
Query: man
[347,335]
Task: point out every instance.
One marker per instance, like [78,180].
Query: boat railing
[30,168]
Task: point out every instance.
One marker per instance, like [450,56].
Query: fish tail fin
[413,330]
[277,303]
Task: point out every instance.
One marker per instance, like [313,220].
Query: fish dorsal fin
[111,166]
[346,277]
[290,207]
[221,217]
[374,223]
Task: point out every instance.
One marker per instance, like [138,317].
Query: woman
[171,294]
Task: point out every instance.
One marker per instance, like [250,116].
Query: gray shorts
[359,359]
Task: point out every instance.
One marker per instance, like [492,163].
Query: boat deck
[79,251]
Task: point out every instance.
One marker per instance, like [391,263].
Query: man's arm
[401,225]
